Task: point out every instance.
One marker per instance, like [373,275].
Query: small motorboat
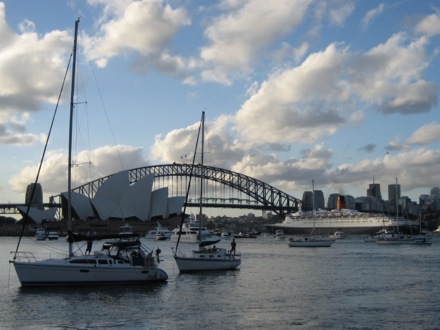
[337,234]
[159,230]
[160,237]
[52,235]
[241,235]
[279,235]
[40,235]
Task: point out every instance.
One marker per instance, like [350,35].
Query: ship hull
[291,230]
[354,224]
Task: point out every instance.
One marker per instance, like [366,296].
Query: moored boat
[207,256]
[120,261]
[52,235]
[391,237]
[192,232]
[396,237]
[337,234]
[279,235]
[244,235]
[40,234]
[159,231]
[160,237]
[351,222]
[311,240]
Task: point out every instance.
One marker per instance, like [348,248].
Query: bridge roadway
[222,188]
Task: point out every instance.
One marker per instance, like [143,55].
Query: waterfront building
[308,203]
[393,195]
[374,191]
[37,197]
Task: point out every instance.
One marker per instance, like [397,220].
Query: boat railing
[178,252]
[21,256]
[24,256]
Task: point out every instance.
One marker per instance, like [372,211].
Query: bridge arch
[258,195]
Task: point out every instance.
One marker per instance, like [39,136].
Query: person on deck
[233,245]
[89,242]
[158,251]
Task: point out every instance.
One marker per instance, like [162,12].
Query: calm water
[351,285]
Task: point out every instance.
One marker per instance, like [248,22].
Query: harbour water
[351,285]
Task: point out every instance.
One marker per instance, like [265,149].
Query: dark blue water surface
[351,285]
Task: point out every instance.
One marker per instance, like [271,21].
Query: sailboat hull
[61,272]
[311,242]
[207,259]
[196,264]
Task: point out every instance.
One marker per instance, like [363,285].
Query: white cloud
[221,149]
[92,165]
[371,14]
[31,69]
[406,165]
[235,37]
[144,27]
[300,52]
[340,14]
[331,89]
[13,129]
[298,104]
[393,83]
[425,135]
[430,25]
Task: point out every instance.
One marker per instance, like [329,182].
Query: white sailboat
[312,240]
[123,260]
[207,256]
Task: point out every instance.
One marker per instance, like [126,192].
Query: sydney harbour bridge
[221,188]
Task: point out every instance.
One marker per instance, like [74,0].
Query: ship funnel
[341,202]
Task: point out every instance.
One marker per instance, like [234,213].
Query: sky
[344,93]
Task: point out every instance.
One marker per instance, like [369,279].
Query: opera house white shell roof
[38,215]
[116,199]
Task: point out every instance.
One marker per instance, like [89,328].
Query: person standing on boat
[233,245]
[89,242]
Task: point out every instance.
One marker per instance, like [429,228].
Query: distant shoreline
[101,227]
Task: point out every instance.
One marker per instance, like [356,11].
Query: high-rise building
[34,192]
[374,191]
[332,201]
[393,192]
[393,195]
[319,200]
[435,191]
[350,202]
[308,203]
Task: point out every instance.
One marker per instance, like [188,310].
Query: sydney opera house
[116,199]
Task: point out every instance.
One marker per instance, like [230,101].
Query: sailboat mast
[69,165]
[397,209]
[313,204]
[202,176]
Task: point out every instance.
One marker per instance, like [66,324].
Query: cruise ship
[349,221]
